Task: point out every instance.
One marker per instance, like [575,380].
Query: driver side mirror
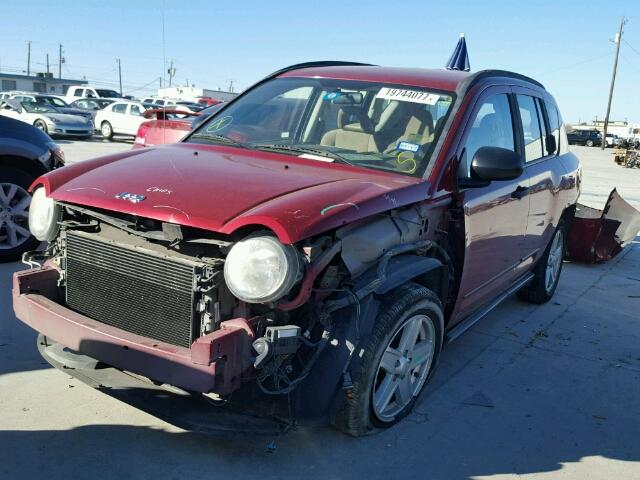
[493,164]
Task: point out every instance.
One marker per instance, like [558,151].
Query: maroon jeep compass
[318,239]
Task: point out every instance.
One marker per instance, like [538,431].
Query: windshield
[366,124]
[108,93]
[51,101]
[33,107]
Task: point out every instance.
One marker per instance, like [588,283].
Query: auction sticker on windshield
[403,95]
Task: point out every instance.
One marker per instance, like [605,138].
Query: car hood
[74,111]
[67,119]
[222,188]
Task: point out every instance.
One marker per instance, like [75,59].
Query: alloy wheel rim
[404,367]
[106,130]
[554,261]
[14,216]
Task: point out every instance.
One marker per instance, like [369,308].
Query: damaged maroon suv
[319,240]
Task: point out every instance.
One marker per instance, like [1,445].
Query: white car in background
[47,118]
[120,118]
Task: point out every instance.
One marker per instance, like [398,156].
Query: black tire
[106,130]
[23,180]
[357,415]
[589,143]
[537,291]
[41,125]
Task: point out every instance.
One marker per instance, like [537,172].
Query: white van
[84,91]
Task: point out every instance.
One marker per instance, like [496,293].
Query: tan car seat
[352,135]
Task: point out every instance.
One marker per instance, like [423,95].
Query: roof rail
[482,74]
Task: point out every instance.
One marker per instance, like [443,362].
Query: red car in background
[169,126]
[208,101]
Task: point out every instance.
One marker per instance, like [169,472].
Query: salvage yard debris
[599,235]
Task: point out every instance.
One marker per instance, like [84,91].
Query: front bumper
[217,362]
[61,130]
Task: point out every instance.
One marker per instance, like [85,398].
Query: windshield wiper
[296,149]
[219,139]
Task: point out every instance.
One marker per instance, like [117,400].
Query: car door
[539,128]
[117,116]
[495,216]
[134,119]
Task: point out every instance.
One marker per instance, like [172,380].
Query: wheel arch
[32,167]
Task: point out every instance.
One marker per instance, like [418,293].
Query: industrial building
[41,82]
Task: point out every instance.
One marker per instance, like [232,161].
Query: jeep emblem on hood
[132,197]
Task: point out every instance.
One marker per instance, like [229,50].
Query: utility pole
[28,57]
[120,75]
[60,60]
[47,64]
[618,41]
[171,72]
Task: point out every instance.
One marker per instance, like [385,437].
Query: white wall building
[191,94]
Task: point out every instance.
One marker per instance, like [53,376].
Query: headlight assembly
[261,269]
[44,214]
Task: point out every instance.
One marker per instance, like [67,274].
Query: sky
[565,44]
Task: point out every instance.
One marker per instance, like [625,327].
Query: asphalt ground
[544,392]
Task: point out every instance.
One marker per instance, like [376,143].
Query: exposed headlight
[261,269]
[53,120]
[44,214]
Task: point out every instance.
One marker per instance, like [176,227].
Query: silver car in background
[47,119]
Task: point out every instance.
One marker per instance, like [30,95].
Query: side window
[135,110]
[159,102]
[543,127]
[554,125]
[78,92]
[530,128]
[492,127]
[119,108]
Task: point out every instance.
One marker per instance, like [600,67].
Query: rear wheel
[41,125]
[399,359]
[15,238]
[106,130]
[547,271]
[589,143]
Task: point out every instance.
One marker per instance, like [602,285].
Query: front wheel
[547,271]
[15,238]
[41,125]
[399,358]
[106,130]
[589,143]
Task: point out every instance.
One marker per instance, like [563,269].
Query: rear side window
[530,127]
[78,92]
[492,127]
[554,126]
[120,108]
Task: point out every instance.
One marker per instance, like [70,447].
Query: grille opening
[137,291]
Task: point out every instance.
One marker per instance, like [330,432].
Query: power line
[631,47]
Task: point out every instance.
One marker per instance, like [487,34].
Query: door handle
[520,192]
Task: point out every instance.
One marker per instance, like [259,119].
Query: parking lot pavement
[77,151]
[548,392]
